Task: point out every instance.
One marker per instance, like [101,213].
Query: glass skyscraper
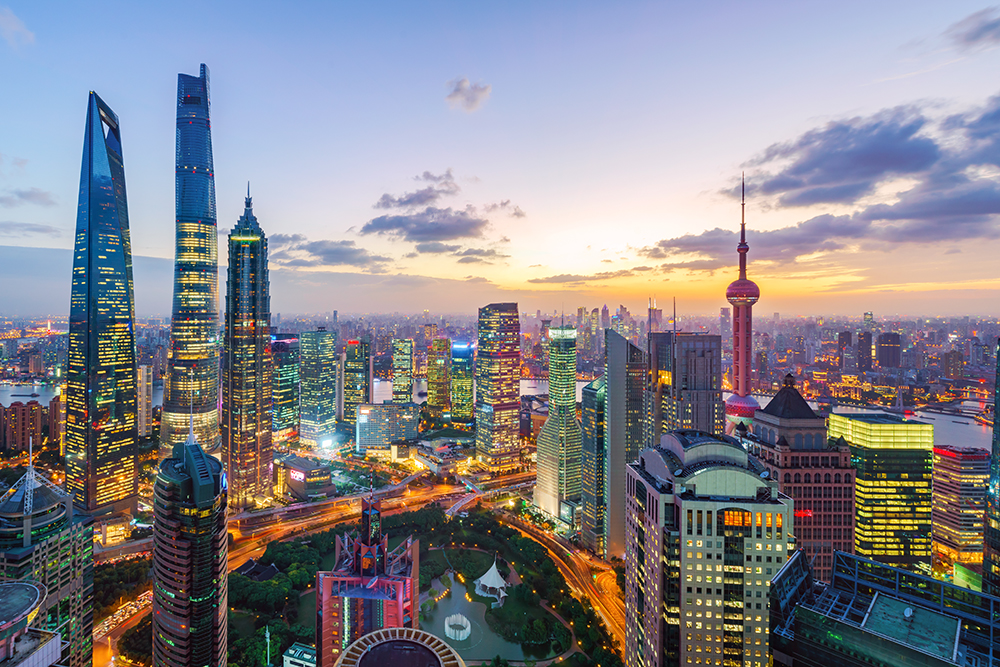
[498,400]
[357,378]
[462,403]
[285,389]
[402,370]
[592,466]
[101,376]
[318,387]
[438,379]
[246,365]
[192,380]
[991,533]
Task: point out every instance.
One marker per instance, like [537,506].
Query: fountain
[457,627]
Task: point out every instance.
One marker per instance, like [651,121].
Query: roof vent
[908,613]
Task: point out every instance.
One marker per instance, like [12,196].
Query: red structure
[742,293]
[369,589]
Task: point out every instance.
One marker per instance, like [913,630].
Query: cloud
[577,278]
[433,247]
[10,228]
[980,29]
[478,256]
[296,251]
[431,224]
[466,96]
[441,186]
[276,241]
[512,210]
[29,196]
[14,32]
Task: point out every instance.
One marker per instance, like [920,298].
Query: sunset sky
[406,156]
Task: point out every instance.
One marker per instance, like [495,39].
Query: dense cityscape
[585,486]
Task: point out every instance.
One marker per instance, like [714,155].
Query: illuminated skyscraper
[498,400]
[961,476]
[318,397]
[991,534]
[357,378]
[557,490]
[593,510]
[381,425]
[462,366]
[685,383]
[145,395]
[101,376]
[285,389]
[193,358]
[438,377]
[742,294]
[402,370]
[246,365]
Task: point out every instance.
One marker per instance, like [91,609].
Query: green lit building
[893,462]
[462,368]
[357,378]
[402,370]
[318,387]
[285,390]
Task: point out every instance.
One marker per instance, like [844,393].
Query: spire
[743,248]
[249,202]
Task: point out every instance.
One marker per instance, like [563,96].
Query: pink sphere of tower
[742,293]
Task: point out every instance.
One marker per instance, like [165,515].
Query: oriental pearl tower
[742,294]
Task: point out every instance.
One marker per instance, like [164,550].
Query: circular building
[19,603]
[399,647]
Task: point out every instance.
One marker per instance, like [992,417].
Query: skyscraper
[593,510]
[742,294]
[190,559]
[285,389]
[402,370]
[498,399]
[193,357]
[101,401]
[685,383]
[725,327]
[961,477]
[864,351]
[438,377]
[462,366]
[557,489]
[991,533]
[381,425]
[357,378]
[145,405]
[246,364]
[318,376]
[888,352]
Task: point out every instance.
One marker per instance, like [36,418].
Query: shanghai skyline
[502,164]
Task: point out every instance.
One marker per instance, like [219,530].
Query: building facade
[462,369]
[402,370]
[145,408]
[101,382]
[498,392]
[380,425]
[888,352]
[192,377]
[961,477]
[285,390]
[318,369]
[22,423]
[991,532]
[357,378]
[439,377]
[247,369]
[592,456]
[685,383]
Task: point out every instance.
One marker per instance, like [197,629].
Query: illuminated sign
[297,475]
[803,513]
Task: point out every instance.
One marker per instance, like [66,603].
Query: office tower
[145,408]
[402,370]
[596,337]
[624,417]
[41,538]
[438,377]
[872,614]
[246,365]
[888,353]
[368,589]
[991,532]
[742,294]
[892,458]
[605,317]
[190,559]
[869,321]
[357,378]
[952,364]
[318,370]
[101,402]
[381,425]
[706,532]
[843,344]
[57,421]
[593,510]
[685,383]
[557,489]
[961,476]
[546,323]
[22,424]
[725,326]
[285,390]
[789,440]
[192,375]
[462,369]
[498,399]
[863,353]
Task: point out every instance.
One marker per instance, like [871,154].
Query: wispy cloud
[579,278]
[10,228]
[442,185]
[513,210]
[295,250]
[479,255]
[29,196]
[13,31]
[978,30]
[431,224]
[467,96]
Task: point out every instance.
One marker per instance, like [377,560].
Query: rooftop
[880,419]
[17,600]
[788,403]
[922,629]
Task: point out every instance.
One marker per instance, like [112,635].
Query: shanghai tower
[192,382]
[101,390]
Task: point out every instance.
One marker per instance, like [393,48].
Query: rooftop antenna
[742,248]
[29,480]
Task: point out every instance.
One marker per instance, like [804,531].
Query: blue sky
[591,148]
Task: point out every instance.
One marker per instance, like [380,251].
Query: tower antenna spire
[743,207]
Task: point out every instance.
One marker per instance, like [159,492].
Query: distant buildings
[961,476]
[20,423]
[685,383]
[557,489]
[706,531]
[101,382]
[357,377]
[863,354]
[302,478]
[318,387]
[888,353]
[991,536]
[593,515]
[438,377]
[402,370]
[742,294]
[285,390]
[380,425]
[246,365]
[462,372]
[498,399]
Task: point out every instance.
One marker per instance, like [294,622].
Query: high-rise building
[888,352]
[991,532]
[498,399]
[42,539]
[57,421]
[789,440]
[357,378]
[192,376]
[869,321]
[952,364]
[592,508]
[844,339]
[381,425]
[101,401]
[190,559]
[402,370]
[892,458]
[285,390]
[725,327]
[961,476]
[246,365]
[706,531]
[22,424]
[685,383]
[624,417]
[318,370]
[863,354]
[462,369]
[368,589]
[742,294]
[145,408]
[557,489]
[438,377]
